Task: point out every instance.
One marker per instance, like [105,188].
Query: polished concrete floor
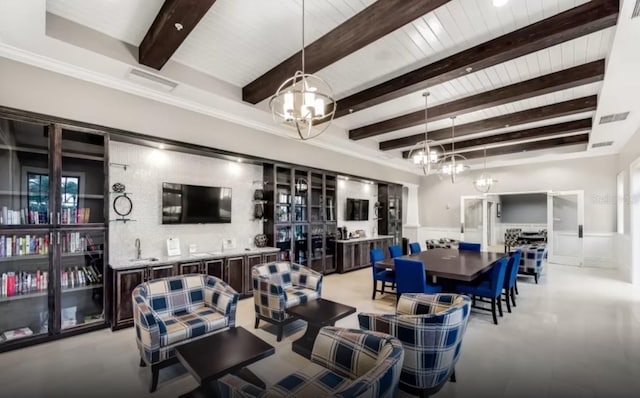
[577,333]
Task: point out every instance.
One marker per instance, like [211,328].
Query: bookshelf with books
[52,231]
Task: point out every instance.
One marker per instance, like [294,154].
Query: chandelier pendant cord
[303,37]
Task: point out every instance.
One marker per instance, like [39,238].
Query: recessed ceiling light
[239,160]
[179,26]
[469,69]
[161,146]
[499,3]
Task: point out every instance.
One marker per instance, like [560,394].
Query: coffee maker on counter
[342,233]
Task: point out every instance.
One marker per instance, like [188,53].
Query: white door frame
[634,219]
[569,260]
[483,221]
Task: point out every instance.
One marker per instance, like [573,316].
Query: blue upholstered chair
[469,246]
[395,251]
[344,363]
[431,328]
[510,278]
[415,247]
[380,274]
[489,286]
[411,278]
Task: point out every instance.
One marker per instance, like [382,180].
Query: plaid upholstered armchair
[170,311]
[430,327]
[280,285]
[533,259]
[344,363]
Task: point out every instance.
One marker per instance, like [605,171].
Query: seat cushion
[298,295]
[311,381]
[385,275]
[184,325]
[482,289]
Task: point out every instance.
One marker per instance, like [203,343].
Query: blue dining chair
[380,274]
[415,247]
[469,246]
[411,277]
[510,278]
[395,251]
[489,287]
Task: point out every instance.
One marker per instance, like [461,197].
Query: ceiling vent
[636,10]
[616,117]
[602,144]
[150,80]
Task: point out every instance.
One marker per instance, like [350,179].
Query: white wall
[148,169]
[357,190]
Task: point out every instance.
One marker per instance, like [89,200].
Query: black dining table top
[462,265]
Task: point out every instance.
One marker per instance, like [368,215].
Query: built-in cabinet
[234,270]
[300,213]
[354,254]
[53,232]
[389,211]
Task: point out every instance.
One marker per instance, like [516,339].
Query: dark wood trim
[567,78]
[536,132]
[529,146]
[367,26]
[570,107]
[576,22]
[163,38]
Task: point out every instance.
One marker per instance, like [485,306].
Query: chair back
[469,246]
[497,276]
[376,255]
[167,296]
[395,251]
[512,269]
[511,236]
[410,276]
[415,247]
[279,273]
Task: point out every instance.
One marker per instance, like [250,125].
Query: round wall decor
[260,240]
[122,205]
[118,187]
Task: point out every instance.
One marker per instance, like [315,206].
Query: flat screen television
[357,210]
[195,204]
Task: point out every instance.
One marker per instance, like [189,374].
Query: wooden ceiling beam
[164,37]
[587,18]
[571,107]
[542,133]
[564,79]
[367,26]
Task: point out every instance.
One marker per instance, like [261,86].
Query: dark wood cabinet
[234,272]
[269,258]
[252,260]
[215,268]
[355,255]
[126,281]
[189,268]
[161,271]
[390,211]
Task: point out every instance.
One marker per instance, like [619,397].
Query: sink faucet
[138,251]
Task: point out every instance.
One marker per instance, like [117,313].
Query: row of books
[22,282]
[22,216]
[26,216]
[25,245]
[80,276]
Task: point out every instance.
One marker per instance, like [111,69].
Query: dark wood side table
[211,357]
[318,313]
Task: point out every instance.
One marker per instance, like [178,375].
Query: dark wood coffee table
[318,313]
[211,357]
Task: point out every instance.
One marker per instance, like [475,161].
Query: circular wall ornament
[260,240]
[118,187]
[122,205]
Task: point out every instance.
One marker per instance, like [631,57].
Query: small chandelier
[484,182]
[301,101]
[452,165]
[425,153]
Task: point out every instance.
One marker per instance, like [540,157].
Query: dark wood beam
[590,17]
[568,78]
[163,38]
[529,146]
[544,132]
[565,108]
[367,26]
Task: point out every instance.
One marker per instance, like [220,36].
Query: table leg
[304,345]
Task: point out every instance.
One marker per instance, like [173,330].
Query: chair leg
[155,372]
[280,330]
[474,300]
[500,305]
[142,363]
[453,376]
[513,297]
[257,323]
[535,276]
[506,297]
[398,297]
[493,310]
[375,283]
[516,286]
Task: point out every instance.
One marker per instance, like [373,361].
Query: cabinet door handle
[50,217]
[59,218]
[58,237]
[51,242]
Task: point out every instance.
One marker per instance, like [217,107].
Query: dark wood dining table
[461,265]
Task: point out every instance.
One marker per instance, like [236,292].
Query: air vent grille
[602,144]
[636,10]
[151,80]
[616,117]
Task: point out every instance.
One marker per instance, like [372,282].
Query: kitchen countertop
[212,255]
[353,240]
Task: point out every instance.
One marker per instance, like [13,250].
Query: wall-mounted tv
[357,210]
[195,204]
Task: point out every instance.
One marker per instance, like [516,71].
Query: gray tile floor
[577,333]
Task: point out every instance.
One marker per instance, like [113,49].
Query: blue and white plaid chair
[431,328]
[344,363]
[533,259]
[281,285]
[171,311]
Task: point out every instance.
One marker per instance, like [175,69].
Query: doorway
[634,204]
